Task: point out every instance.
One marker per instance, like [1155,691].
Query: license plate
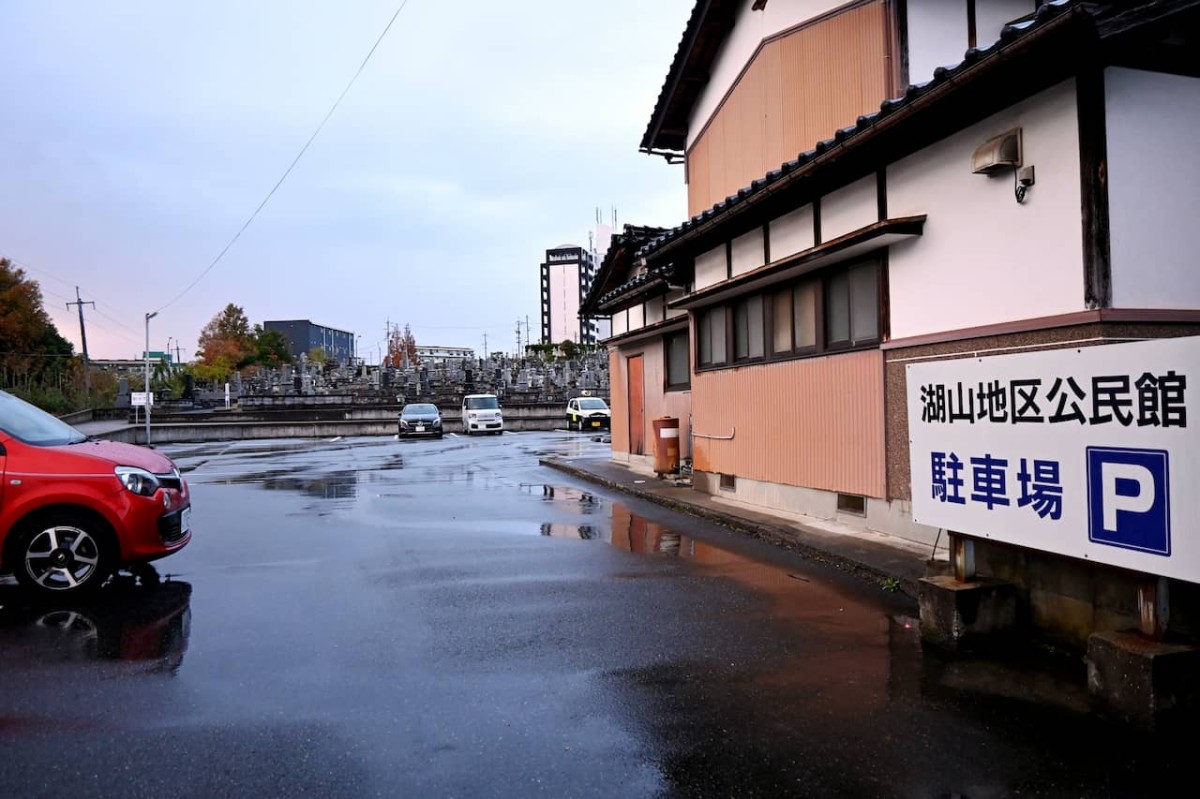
[420,428]
[595,424]
[185,520]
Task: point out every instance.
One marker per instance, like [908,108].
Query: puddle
[552,493]
[339,485]
[335,486]
[146,625]
[583,532]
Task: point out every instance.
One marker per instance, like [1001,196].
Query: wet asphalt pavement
[371,617]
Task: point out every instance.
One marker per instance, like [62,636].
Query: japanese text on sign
[1148,400]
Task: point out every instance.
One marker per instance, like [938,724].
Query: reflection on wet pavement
[451,619]
[144,624]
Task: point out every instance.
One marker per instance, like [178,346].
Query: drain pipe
[716,438]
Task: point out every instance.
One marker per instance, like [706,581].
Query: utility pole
[87,371]
[518,338]
[149,316]
[527,339]
[485,352]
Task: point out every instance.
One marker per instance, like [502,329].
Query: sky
[138,136]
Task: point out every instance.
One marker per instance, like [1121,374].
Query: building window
[711,338]
[852,306]
[679,368]
[804,315]
[748,329]
[838,310]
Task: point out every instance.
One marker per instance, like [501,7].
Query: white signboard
[1090,452]
[138,399]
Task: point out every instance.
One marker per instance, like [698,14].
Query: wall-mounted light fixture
[1000,154]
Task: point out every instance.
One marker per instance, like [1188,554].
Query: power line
[291,166]
[28,266]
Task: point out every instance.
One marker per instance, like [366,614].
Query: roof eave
[869,128]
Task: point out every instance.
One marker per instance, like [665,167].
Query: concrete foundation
[1146,682]
[959,616]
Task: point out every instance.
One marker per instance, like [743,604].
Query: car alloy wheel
[62,558]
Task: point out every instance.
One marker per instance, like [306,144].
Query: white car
[588,413]
[481,414]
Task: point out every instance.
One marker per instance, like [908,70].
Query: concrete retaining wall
[180,432]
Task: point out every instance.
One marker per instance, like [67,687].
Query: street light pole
[149,316]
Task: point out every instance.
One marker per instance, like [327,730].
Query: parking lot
[448,618]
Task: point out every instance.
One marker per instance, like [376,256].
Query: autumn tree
[33,355]
[225,342]
[401,344]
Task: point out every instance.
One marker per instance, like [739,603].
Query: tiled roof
[617,262]
[706,29]
[1008,35]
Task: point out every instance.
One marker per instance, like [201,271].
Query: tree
[226,341]
[400,344]
[317,355]
[569,349]
[270,348]
[32,352]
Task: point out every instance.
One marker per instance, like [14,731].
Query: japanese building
[876,185]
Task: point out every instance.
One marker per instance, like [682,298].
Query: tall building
[567,275]
[304,337]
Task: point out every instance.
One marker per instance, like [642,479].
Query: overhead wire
[291,166]
[131,336]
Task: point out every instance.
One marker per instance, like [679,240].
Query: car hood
[119,454]
[596,412]
[420,417]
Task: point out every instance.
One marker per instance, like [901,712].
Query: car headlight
[139,481]
[472,415]
[403,423]
[437,422]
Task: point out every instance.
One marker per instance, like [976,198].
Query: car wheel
[63,555]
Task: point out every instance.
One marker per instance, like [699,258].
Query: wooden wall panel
[618,401]
[816,422]
[797,90]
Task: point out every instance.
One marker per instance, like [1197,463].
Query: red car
[74,510]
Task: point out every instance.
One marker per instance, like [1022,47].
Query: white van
[481,414]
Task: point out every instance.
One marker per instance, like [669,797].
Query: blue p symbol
[1128,502]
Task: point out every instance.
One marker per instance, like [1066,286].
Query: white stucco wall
[749,29]
[937,36]
[637,317]
[849,208]
[791,233]
[564,302]
[711,267]
[620,323]
[984,259]
[938,32]
[1153,187]
[655,310]
[992,15]
[748,252]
